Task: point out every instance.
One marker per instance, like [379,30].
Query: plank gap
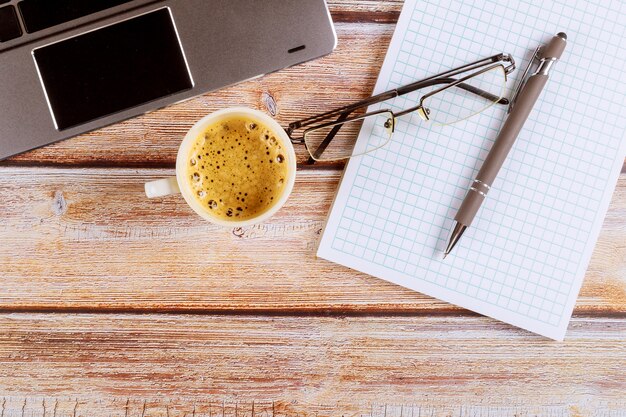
[350,312]
[381,17]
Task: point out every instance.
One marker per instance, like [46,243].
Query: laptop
[71,66]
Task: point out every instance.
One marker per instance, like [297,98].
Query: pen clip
[535,58]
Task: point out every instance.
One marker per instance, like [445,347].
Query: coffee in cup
[235,167]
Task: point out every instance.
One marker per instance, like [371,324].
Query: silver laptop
[70,66]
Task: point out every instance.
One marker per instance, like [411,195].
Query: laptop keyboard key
[9,24]
[42,14]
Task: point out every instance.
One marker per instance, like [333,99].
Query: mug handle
[161,188]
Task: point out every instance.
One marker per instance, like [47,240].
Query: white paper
[524,258]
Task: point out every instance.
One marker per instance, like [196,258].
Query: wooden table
[115,305]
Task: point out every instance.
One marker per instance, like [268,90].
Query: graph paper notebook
[524,258]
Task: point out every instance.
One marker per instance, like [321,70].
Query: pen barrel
[500,149]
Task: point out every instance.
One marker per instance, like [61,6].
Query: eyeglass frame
[343,113]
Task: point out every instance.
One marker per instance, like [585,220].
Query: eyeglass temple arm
[395,93]
[331,135]
[400,91]
[412,87]
[467,87]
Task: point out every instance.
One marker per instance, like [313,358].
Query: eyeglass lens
[342,145]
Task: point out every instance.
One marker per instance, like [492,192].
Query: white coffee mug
[180,183]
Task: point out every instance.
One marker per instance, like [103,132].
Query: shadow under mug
[181,184]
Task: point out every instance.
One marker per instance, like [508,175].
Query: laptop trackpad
[113,68]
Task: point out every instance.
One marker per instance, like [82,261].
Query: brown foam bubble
[242,171]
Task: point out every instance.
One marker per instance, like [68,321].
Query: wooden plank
[211,406]
[356,361]
[365,11]
[88,238]
[345,76]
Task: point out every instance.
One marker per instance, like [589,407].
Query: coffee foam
[237,169]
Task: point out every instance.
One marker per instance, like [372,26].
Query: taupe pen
[521,106]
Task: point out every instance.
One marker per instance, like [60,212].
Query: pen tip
[445,254]
[562,35]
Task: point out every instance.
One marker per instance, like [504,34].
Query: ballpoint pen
[520,107]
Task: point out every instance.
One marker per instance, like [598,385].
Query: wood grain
[88,238]
[366,11]
[312,360]
[115,305]
[211,406]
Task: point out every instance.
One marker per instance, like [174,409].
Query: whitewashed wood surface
[111,304]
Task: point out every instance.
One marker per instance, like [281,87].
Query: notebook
[524,258]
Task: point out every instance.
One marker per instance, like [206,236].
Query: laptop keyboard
[43,14]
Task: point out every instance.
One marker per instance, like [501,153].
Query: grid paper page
[524,258]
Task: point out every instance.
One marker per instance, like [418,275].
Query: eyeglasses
[445,98]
